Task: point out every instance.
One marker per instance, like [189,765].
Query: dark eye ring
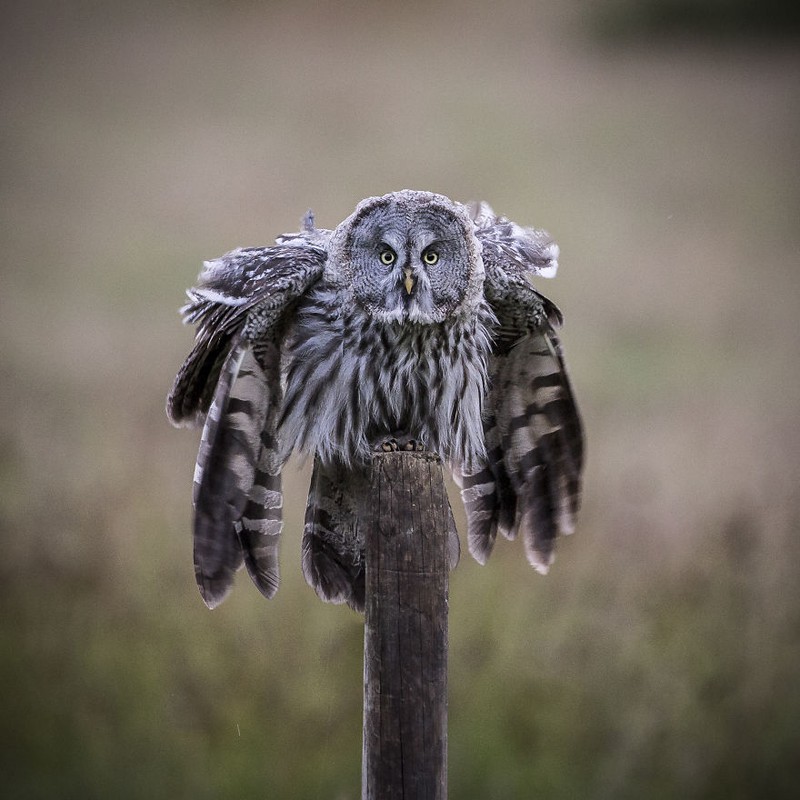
[430,257]
[387,257]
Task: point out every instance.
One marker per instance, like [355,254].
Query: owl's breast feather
[351,379]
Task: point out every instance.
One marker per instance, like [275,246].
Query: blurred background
[656,140]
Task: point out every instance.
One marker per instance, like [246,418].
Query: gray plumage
[414,321]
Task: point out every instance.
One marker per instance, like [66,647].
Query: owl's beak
[409,281]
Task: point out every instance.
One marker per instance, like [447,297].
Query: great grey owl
[413,324]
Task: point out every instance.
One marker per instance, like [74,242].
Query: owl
[413,325]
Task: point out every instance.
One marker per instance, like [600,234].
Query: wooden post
[406,522]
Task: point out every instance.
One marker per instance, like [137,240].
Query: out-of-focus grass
[658,659]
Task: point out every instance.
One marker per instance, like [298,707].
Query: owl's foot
[407,446]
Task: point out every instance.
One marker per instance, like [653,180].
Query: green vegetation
[659,658]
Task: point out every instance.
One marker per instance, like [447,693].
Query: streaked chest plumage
[352,380]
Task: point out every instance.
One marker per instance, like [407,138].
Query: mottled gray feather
[223,477]
[333,546]
[248,288]
[530,480]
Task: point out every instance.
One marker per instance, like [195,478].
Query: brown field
[659,658]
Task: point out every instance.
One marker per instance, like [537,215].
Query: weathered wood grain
[406,519]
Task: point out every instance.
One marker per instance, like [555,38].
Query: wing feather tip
[481,545]
[324,574]
[214,590]
[540,561]
[479,556]
[266,582]
[179,418]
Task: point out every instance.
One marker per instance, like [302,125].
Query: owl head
[409,257]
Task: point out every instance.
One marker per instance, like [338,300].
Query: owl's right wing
[247,289]
[530,482]
[231,381]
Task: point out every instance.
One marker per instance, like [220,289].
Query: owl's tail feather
[333,545]
[333,552]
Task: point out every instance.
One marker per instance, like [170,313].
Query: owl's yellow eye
[387,257]
[430,257]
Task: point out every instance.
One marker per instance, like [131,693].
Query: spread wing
[530,482]
[246,288]
[231,381]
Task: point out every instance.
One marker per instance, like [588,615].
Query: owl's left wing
[231,381]
[530,482]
